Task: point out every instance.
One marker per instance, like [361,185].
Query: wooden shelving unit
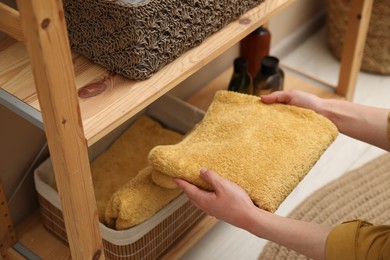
[38,71]
[123,98]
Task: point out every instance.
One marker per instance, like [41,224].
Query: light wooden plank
[353,46]
[10,22]
[13,255]
[47,42]
[33,235]
[7,232]
[16,75]
[124,98]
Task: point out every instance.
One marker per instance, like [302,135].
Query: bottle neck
[262,31]
[240,65]
[269,65]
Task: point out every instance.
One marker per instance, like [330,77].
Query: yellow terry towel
[265,149]
[137,201]
[126,157]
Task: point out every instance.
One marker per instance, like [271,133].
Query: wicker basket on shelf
[376,56]
[136,38]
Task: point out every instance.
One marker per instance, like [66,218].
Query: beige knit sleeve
[358,239]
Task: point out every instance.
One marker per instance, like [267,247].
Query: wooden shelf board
[14,255]
[34,236]
[124,98]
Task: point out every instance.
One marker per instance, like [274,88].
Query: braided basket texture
[137,39]
[376,57]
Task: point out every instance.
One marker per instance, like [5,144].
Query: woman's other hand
[228,201]
[295,98]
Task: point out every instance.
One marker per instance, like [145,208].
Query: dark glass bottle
[241,81]
[254,47]
[270,77]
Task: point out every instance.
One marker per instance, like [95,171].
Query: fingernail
[203,170]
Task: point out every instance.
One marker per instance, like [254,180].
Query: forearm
[306,238]
[368,124]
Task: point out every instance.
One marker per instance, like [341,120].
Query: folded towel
[265,149]
[126,157]
[138,200]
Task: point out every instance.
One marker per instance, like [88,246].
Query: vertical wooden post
[44,27]
[7,232]
[10,22]
[353,47]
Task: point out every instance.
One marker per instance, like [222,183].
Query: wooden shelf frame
[123,98]
[42,72]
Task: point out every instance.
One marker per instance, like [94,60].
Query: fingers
[212,178]
[186,186]
[205,200]
[195,194]
[193,191]
[189,189]
[199,195]
[217,182]
[277,97]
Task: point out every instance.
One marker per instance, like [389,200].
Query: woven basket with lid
[138,39]
[376,57]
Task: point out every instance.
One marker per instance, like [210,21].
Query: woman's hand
[231,204]
[228,202]
[295,98]
[365,123]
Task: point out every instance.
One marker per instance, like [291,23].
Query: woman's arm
[368,124]
[231,204]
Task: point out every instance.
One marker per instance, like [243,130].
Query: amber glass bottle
[270,77]
[241,81]
[254,47]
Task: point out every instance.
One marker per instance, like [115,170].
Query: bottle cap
[240,64]
[269,65]
[260,30]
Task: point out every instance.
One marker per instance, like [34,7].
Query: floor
[228,242]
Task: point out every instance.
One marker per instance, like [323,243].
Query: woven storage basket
[150,246]
[376,57]
[152,238]
[137,39]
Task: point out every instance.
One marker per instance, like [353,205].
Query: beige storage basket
[136,38]
[153,237]
[376,57]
